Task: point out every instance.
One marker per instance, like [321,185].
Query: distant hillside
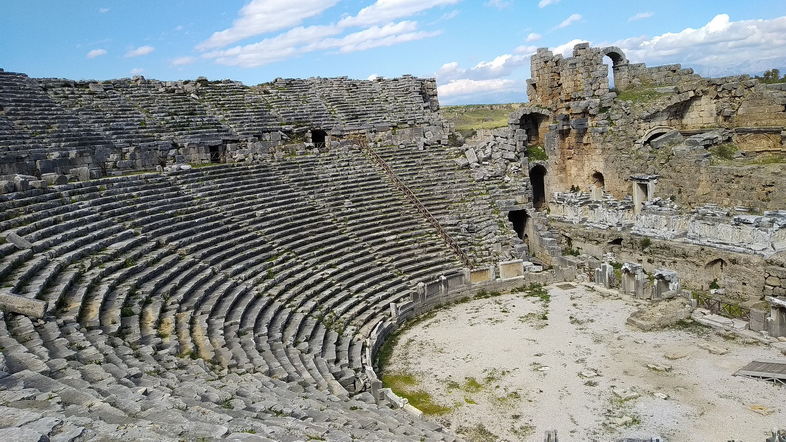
[478,116]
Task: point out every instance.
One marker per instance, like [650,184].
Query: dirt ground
[511,367]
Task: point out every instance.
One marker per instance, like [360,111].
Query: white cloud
[566,49]
[269,50]
[383,11]
[142,50]
[640,16]
[465,87]
[302,40]
[533,36]
[264,16]
[373,77]
[450,15]
[499,67]
[716,46]
[103,10]
[379,30]
[544,3]
[526,50]
[183,61]
[573,18]
[96,53]
[499,4]
[375,36]
[137,71]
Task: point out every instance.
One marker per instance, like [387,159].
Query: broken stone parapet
[604,275]
[634,280]
[511,269]
[666,284]
[33,308]
[709,225]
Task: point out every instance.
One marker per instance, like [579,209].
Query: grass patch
[473,117]
[405,385]
[725,151]
[478,433]
[535,290]
[639,94]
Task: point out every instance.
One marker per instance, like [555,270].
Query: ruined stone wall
[638,74]
[775,276]
[592,130]
[696,265]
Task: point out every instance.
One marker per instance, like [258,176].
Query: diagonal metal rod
[452,244]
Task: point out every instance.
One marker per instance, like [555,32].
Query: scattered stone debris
[714,349]
[659,367]
[661,314]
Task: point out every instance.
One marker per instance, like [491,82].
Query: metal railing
[452,244]
[719,307]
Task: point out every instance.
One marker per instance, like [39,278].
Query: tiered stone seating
[204,302]
[104,109]
[39,122]
[246,112]
[450,195]
[349,104]
[179,115]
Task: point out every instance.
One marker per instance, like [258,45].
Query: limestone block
[511,269]
[472,157]
[6,186]
[81,173]
[20,242]
[54,178]
[481,275]
[25,306]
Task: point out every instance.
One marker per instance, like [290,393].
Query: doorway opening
[318,138]
[519,219]
[215,154]
[537,178]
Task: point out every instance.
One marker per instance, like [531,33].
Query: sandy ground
[572,364]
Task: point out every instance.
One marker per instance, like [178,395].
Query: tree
[771,76]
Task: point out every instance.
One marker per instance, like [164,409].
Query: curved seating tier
[211,301]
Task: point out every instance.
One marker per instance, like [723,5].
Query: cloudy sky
[477,49]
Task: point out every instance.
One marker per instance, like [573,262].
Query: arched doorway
[617,59]
[537,178]
[598,180]
[713,272]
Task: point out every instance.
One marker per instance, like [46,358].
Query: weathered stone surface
[661,314]
[17,304]
[18,241]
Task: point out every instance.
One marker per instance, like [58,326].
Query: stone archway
[714,272]
[618,66]
[653,134]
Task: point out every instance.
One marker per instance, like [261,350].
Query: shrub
[724,151]
[645,242]
[537,153]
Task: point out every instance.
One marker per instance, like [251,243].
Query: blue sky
[478,50]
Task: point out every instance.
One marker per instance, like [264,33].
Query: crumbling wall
[690,261]
[593,131]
